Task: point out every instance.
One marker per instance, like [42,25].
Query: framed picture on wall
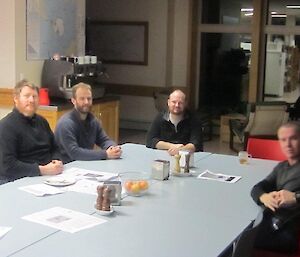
[118,42]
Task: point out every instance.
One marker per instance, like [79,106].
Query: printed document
[64,219]
[41,190]
[4,230]
[218,177]
[78,173]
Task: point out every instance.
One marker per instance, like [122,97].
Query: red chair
[265,149]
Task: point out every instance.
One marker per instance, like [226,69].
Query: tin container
[115,191]
[160,169]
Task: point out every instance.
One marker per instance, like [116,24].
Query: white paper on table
[4,230]
[218,177]
[41,190]
[64,219]
[84,186]
[78,174]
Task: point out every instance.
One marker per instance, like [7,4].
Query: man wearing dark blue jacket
[78,131]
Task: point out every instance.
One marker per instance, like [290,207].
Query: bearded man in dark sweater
[78,131]
[27,146]
[279,194]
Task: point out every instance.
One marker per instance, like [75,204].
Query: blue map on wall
[55,27]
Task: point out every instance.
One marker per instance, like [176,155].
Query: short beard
[80,110]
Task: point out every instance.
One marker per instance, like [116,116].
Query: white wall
[168,60]
[181,44]
[153,11]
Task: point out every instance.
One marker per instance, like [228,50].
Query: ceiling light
[293,6]
[247,10]
[278,15]
[249,14]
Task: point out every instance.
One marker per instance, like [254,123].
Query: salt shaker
[177,163]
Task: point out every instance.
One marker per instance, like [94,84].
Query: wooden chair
[264,120]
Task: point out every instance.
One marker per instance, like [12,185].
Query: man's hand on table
[52,168]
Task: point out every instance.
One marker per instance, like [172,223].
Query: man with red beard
[176,129]
[78,131]
[279,194]
[27,146]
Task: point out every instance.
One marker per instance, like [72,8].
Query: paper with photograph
[64,219]
[218,177]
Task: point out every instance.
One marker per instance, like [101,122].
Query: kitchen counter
[105,109]
[60,104]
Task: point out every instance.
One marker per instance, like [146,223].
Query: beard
[84,109]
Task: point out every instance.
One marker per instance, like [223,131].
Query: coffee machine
[59,76]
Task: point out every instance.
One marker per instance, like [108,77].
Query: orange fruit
[128,185]
[135,188]
[143,184]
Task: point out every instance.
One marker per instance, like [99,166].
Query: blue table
[183,216]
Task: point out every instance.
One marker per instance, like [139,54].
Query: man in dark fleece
[27,146]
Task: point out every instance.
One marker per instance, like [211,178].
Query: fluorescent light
[278,15]
[249,14]
[293,6]
[273,12]
[247,10]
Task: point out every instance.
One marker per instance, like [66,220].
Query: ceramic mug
[87,59]
[93,59]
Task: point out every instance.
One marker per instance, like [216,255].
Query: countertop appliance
[59,76]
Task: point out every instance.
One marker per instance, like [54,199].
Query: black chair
[294,110]
[243,245]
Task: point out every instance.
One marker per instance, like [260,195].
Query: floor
[289,97]
[139,137]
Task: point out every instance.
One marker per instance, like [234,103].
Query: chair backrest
[243,245]
[265,149]
[266,118]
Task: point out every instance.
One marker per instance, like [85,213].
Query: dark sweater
[25,143]
[282,177]
[189,130]
[76,138]
[286,218]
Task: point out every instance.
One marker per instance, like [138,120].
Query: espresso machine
[59,76]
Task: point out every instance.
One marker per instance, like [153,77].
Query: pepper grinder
[187,163]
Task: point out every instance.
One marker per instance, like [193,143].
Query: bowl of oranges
[135,183]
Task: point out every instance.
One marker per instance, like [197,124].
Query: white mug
[87,59]
[79,60]
[93,59]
